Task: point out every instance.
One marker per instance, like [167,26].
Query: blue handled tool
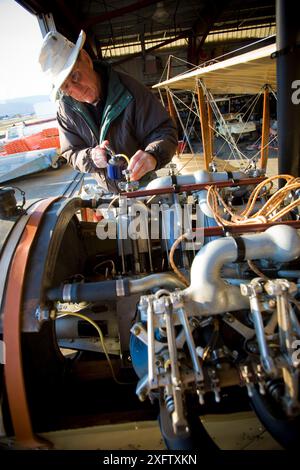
[115,165]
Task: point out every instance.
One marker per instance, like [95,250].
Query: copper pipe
[245,228]
[193,187]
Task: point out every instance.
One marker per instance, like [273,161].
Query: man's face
[83,83]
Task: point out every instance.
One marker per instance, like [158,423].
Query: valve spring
[170,403]
[275,389]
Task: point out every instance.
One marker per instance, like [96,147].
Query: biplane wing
[242,74]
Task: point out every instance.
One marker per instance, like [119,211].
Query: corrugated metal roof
[121,49]
[133,47]
[241,33]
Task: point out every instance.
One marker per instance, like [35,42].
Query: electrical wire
[94,324]
[113,201]
[235,151]
[257,271]
[124,156]
[171,258]
[150,199]
[212,340]
[107,261]
[271,211]
[179,118]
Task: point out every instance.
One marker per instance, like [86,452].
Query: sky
[20,43]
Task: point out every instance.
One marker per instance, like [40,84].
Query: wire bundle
[271,211]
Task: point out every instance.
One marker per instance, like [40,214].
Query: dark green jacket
[132,119]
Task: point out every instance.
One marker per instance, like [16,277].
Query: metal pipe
[266,359]
[110,290]
[289,273]
[152,380]
[167,280]
[150,254]
[165,189]
[208,293]
[178,419]
[247,228]
[191,345]
[198,177]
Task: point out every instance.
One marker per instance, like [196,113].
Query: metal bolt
[143,301]
[272,303]
[245,289]
[127,173]
[142,396]
[252,347]
[176,382]
[229,318]
[172,168]
[279,286]
[199,351]
[193,323]
[201,397]
[217,395]
[235,354]
[136,330]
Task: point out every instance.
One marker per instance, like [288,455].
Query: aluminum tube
[202,200]
[152,380]
[289,273]
[279,243]
[208,293]
[154,280]
[198,177]
[267,361]
[191,345]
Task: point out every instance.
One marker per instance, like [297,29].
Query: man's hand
[140,164]
[98,155]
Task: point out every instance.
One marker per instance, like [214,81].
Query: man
[98,107]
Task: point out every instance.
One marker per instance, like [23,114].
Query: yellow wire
[89,320]
[124,156]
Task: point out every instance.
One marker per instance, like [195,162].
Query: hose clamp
[67,290]
[120,288]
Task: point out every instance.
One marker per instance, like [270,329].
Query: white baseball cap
[57,58]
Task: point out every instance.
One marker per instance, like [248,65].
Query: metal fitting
[280,286]
[136,330]
[255,287]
